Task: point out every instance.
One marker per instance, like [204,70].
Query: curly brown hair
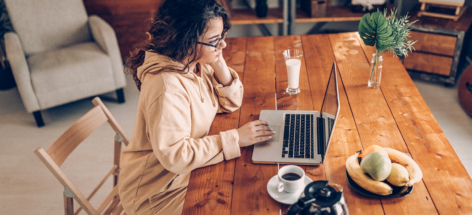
[174,32]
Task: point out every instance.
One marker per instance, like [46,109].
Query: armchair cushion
[48,24]
[69,74]
[105,36]
[20,69]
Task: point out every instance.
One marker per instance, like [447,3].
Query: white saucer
[284,197]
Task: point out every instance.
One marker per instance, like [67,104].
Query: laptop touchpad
[275,137]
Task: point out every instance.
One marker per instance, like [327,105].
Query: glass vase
[375,70]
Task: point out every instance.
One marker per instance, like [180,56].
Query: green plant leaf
[374,29]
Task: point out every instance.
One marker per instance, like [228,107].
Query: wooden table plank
[235,54]
[345,143]
[447,181]
[319,59]
[250,181]
[425,140]
[285,101]
[374,120]
[210,189]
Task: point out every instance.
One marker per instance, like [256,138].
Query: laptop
[302,137]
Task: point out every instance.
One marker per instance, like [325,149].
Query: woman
[184,83]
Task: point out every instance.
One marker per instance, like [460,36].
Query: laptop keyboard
[330,126]
[298,136]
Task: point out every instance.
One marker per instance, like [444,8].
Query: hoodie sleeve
[230,97]
[169,126]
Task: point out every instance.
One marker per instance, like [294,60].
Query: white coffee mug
[291,179]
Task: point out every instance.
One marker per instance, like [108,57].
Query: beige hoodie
[170,138]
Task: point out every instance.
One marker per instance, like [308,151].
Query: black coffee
[291,176]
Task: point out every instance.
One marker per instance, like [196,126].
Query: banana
[413,169]
[356,173]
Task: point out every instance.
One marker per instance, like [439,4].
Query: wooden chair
[55,156]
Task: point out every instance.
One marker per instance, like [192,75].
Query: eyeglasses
[223,36]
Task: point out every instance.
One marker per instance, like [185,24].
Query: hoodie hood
[155,62]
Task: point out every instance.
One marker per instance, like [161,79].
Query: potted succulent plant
[386,33]
[261,8]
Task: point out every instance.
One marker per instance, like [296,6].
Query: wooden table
[394,116]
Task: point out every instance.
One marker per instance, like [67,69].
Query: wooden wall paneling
[374,120]
[449,185]
[429,63]
[250,184]
[131,30]
[129,19]
[122,6]
[210,193]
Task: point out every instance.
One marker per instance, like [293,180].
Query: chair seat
[70,74]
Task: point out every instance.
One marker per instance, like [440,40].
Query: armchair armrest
[19,66]
[105,36]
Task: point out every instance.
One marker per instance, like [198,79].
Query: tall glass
[293,61]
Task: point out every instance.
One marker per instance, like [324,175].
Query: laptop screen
[330,107]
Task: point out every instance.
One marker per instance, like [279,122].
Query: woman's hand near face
[254,132]
[219,65]
[219,62]
[221,71]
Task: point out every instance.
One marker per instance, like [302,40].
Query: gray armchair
[58,54]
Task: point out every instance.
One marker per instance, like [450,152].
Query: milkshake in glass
[293,61]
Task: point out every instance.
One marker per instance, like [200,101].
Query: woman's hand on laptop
[254,132]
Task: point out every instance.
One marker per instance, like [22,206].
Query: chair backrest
[58,152]
[48,24]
